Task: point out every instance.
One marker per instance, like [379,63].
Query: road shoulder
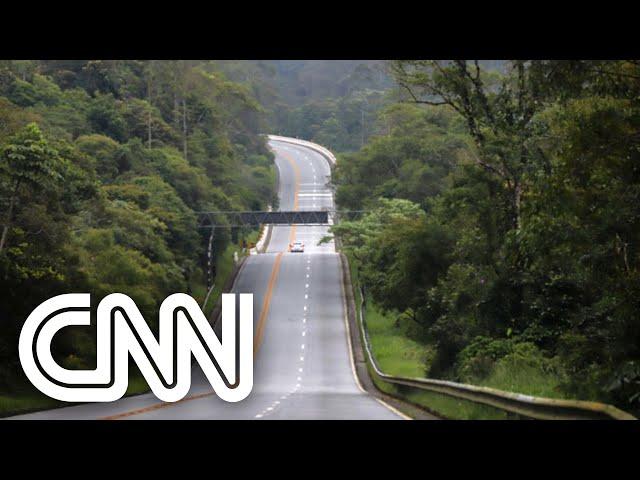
[357,354]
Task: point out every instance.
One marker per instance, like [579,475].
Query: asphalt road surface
[303,367]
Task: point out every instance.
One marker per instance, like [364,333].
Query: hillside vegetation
[103,166]
[331,102]
[504,225]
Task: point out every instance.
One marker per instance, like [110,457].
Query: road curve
[303,367]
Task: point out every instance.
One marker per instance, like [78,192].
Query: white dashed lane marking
[313,195]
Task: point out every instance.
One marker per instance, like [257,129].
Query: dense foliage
[103,166]
[505,220]
[332,102]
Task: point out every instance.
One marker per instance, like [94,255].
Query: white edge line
[351,360]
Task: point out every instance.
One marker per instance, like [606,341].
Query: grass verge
[33,400]
[398,355]
[25,403]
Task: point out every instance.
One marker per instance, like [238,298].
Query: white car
[296,247]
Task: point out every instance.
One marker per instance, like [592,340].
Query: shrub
[476,361]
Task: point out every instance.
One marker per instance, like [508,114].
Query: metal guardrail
[313,146]
[524,405]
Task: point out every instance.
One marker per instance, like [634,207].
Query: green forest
[103,168]
[332,102]
[500,240]
[503,226]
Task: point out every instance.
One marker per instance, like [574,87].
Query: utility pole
[211,273]
[210,267]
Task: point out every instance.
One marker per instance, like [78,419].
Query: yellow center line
[263,313]
[266,304]
[296,191]
[257,341]
[156,406]
[296,174]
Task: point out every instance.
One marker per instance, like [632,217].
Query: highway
[303,367]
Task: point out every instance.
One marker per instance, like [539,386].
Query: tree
[529,247]
[101,197]
[498,113]
[397,252]
[27,162]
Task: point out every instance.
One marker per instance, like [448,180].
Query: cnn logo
[122,331]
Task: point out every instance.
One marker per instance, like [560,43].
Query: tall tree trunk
[184,127]
[149,100]
[3,239]
[517,198]
[149,128]
[176,110]
[7,223]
